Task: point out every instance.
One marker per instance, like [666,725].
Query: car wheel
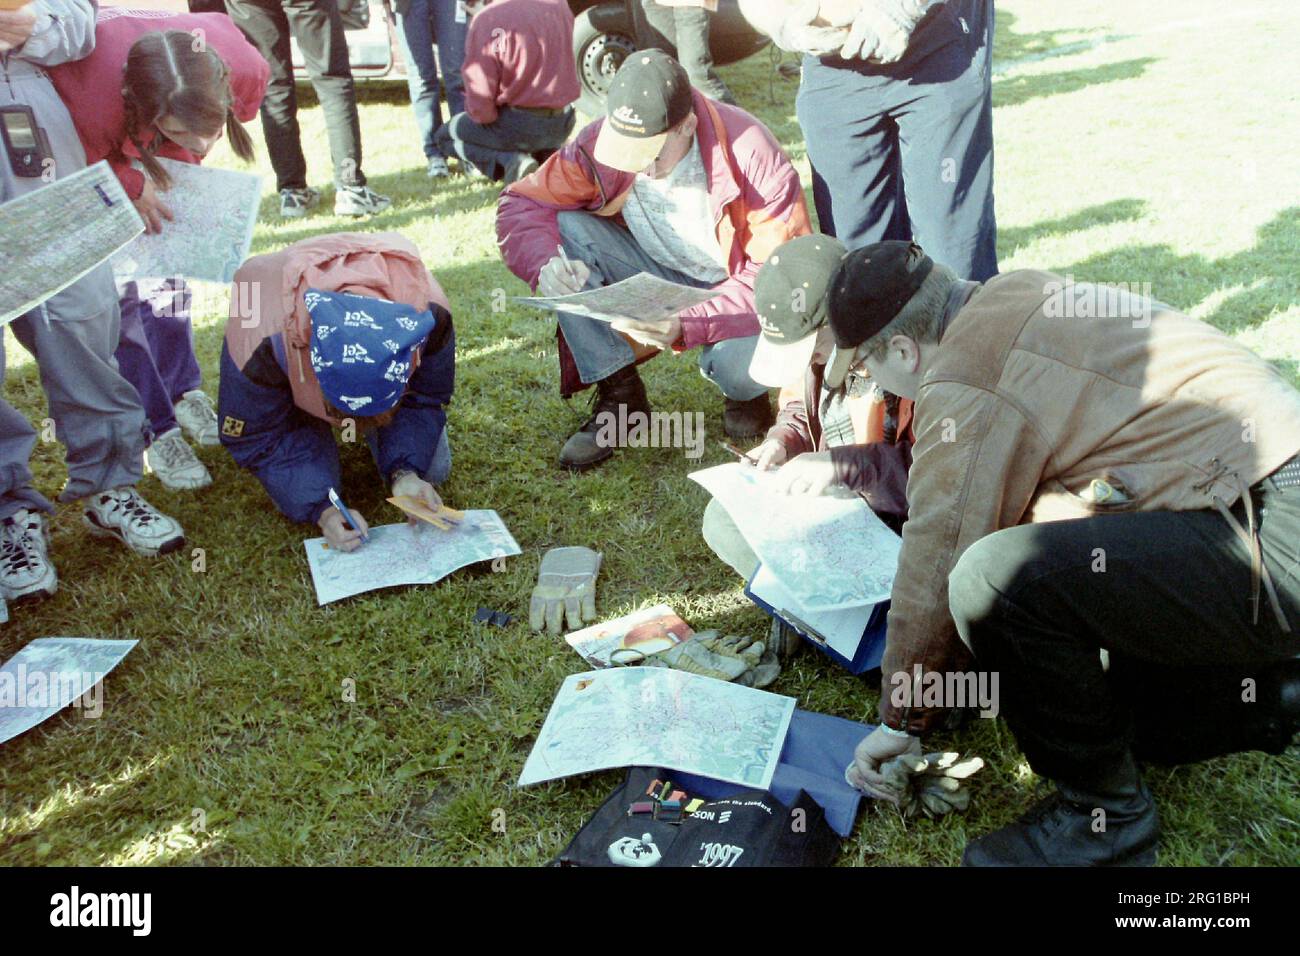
[602,40]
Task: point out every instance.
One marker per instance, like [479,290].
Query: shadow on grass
[1259,280]
[1021,89]
[1011,240]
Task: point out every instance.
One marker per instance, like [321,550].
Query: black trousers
[318,28]
[1168,595]
[683,33]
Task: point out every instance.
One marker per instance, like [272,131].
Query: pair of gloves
[874,30]
[729,657]
[933,783]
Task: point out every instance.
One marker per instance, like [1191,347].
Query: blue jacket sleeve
[411,438]
[292,454]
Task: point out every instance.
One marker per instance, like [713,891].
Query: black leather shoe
[1073,828]
[747,419]
[590,444]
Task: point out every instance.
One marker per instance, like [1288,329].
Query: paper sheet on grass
[656,717]
[643,297]
[54,235]
[830,553]
[49,674]
[399,554]
[215,211]
[631,638]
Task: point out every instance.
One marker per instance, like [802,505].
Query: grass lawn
[1144,144]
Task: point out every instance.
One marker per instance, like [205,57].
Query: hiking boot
[26,572]
[1114,825]
[359,201]
[174,463]
[196,414]
[123,514]
[747,419]
[295,203]
[521,167]
[438,168]
[588,446]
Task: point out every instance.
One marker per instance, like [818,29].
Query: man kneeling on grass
[669,183]
[343,331]
[1117,477]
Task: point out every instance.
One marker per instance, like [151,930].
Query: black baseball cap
[868,290]
[790,299]
[649,96]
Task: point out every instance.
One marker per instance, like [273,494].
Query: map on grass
[49,674]
[54,235]
[643,297]
[215,211]
[828,552]
[657,717]
[398,554]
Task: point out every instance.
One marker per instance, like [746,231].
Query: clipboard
[857,657]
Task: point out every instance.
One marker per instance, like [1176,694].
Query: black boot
[1112,823]
[590,445]
[746,419]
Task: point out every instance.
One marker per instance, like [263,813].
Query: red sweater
[519,53]
[92,88]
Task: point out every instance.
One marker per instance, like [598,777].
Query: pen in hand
[337,502]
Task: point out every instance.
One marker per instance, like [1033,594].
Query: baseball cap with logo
[649,96]
[790,293]
[364,349]
[868,290]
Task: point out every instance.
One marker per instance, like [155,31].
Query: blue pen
[337,502]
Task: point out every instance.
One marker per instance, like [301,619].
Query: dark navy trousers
[905,151]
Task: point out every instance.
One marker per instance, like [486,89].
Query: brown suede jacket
[1027,402]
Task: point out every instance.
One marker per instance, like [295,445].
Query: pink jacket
[757,200]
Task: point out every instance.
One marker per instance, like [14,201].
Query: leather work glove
[792,27]
[732,657]
[882,30]
[566,588]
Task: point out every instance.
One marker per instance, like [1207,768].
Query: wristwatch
[398,476]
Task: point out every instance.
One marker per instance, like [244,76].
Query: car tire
[603,37]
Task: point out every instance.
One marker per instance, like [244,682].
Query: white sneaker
[25,567]
[196,413]
[174,463]
[359,201]
[295,203]
[121,513]
[438,168]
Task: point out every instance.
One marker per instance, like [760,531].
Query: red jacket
[92,88]
[519,53]
[755,192]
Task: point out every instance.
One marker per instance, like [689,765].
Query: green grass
[1134,144]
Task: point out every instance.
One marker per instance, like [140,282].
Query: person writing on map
[163,85]
[672,184]
[342,331]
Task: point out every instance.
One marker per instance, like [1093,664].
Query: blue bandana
[364,349]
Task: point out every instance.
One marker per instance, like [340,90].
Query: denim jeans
[426,24]
[492,148]
[612,254]
[318,28]
[683,33]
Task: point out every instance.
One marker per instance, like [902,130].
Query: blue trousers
[426,24]
[612,254]
[492,148]
[906,151]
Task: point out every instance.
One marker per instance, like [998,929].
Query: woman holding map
[163,85]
